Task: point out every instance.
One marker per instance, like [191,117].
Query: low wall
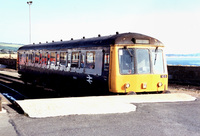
[11,63]
[189,75]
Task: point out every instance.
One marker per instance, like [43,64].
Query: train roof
[105,41]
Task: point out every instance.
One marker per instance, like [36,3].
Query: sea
[183,61]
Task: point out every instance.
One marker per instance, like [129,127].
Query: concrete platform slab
[93,105]
[73,106]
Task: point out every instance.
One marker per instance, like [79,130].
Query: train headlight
[144,85]
[127,85]
[159,84]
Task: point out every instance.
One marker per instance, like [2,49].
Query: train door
[29,58]
[19,60]
[63,61]
[75,55]
[44,59]
[26,59]
[17,66]
[81,62]
[93,62]
[78,61]
[52,60]
[32,63]
[23,58]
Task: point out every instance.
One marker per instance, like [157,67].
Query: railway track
[8,91]
[11,93]
[35,91]
[14,88]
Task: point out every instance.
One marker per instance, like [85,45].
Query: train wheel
[166,92]
[131,93]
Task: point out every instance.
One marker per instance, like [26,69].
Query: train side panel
[69,78]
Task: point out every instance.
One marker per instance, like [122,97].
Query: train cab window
[90,59]
[63,58]
[143,61]
[75,59]
[37,55]
[157,61]
[127,61]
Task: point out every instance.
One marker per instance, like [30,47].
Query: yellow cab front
[138,68]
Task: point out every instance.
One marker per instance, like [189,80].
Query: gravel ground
[188,89]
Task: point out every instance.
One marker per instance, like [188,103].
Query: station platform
[6,128]
[41,108]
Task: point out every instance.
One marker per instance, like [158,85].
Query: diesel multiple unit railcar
[121,63]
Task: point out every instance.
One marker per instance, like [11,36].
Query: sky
[176,23]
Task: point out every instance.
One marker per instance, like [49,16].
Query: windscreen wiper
[129,52]
[155,55]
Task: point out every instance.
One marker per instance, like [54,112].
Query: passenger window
[90,60]
[106,62]
[48,58]
[26,57]
[69,60]
[106,59]
[75,59]
[44,58]
[40,58]
[52,58]
[82,60]
[57,59]
[63,58]
[37,57]
[32,58]
[20,57]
